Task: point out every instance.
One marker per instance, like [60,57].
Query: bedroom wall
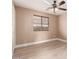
[63,26]
[13,28]
[24,29]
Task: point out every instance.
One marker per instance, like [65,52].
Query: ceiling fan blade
[49,8]
[61,3]
[62,9]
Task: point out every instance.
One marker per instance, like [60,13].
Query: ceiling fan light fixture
[56,9]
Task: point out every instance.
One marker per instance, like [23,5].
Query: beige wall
[24,26]
[63,26]
[13,28]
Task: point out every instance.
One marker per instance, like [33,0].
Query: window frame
[42,28]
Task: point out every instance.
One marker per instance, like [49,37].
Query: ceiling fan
[56,6]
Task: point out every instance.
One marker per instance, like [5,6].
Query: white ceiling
[40,5]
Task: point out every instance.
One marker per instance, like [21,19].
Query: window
[40,23]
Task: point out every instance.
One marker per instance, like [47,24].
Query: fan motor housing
[54,5]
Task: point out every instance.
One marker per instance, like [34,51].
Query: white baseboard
[39,42]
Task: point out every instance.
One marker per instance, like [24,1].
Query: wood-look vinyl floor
[51,50]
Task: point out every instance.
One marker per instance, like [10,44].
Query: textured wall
[24,26]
